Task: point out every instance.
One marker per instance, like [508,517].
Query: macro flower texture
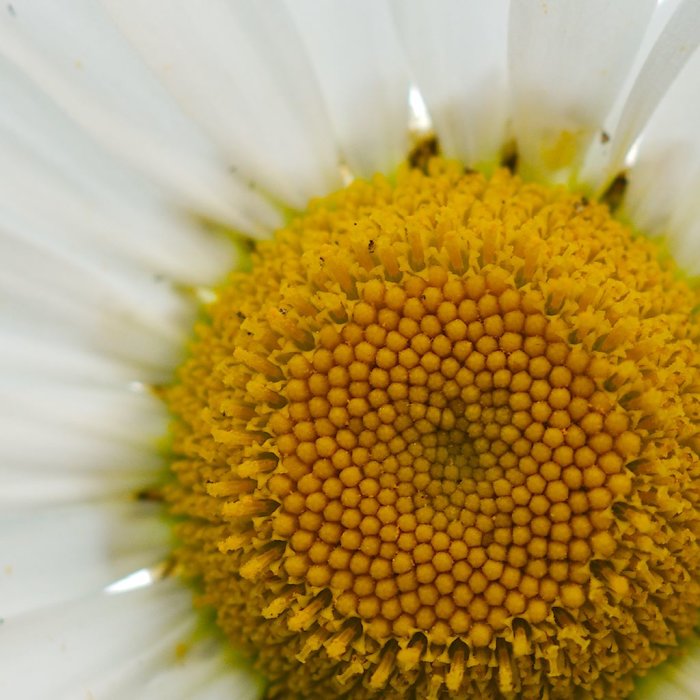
[350,349]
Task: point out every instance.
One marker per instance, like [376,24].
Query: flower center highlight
[443,440]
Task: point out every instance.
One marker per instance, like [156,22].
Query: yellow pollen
[442,442]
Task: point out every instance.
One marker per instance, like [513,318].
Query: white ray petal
[674,47]
[363,78]
[56,176]
[663,197]
[86,647]
[54,273]
[64,441]
[27,354]
[458,58]
[108,351]
[114,414]
[62,553]
[108,278]
[107,320]
[204,672]
[44,472]
[241,72]
[568,61]
[75,55]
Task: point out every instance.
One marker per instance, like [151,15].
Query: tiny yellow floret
[442,442]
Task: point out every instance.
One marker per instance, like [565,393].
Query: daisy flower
[435,437]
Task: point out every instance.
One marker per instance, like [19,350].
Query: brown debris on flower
[444,439]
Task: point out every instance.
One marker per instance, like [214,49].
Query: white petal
[58,554]
[61,297]
[677,679]
[204,673]
[71,650]
[46,289]
[457,53]
[99,260]
[94,431]
[240,71]
[674,47]
[663,197]
[48,465]
[113,414]
[55,173]
[568,61]
[363,77]
[26,354]
[74,53]
[64,442]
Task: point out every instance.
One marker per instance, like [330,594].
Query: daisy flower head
[413,286]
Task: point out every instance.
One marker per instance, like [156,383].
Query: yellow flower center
[442,441]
